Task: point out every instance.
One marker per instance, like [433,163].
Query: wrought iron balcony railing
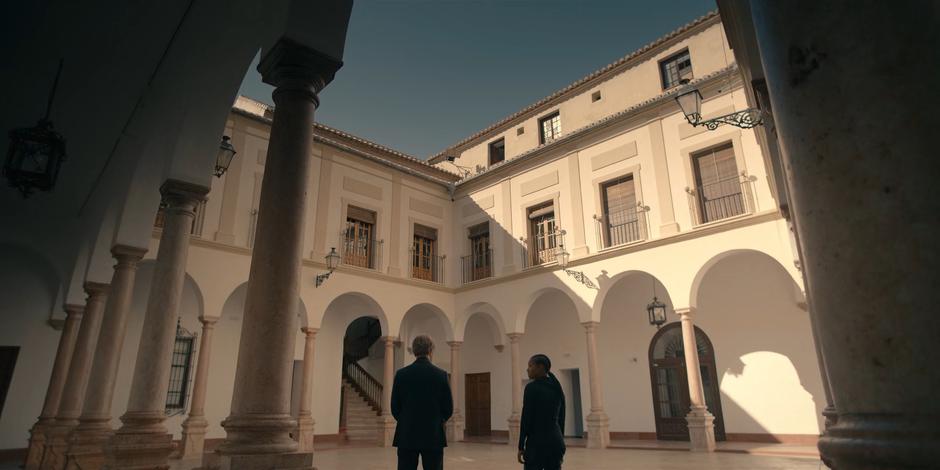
[476,266]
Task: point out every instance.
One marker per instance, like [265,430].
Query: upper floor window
[425,263]
[359,244]
[620,222]
[718,188]
[549,128]
[479,264]
[544,236]
[497,151]
[676,68]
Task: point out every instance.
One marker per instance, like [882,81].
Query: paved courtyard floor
[472,456]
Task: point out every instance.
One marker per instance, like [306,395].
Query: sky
[421,75]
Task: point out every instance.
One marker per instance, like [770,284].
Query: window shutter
[425,232]
[542,211]
[479,230]
[362,215]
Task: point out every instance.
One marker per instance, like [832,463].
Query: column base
[304,434]
[133,451]
[455,428]
[285,461]
[258,434]
[515,423]
[386,430]
[701,430]
[86,444]
[192,442]
[55,447]
[881,441]
[598,425]
[831,415]
[37,445]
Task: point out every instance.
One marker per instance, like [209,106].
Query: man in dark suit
[421,403]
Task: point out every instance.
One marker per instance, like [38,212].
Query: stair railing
[367,386]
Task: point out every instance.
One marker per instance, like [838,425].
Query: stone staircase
[361,419]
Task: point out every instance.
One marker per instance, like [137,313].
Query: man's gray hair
[422,346]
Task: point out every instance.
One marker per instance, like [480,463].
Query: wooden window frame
[501,142]
[664,64]
[542,120]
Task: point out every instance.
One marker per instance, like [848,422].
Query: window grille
[675,69]
[549,128]
[177,396]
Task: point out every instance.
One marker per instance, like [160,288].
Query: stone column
[86,444]
[700,421]
[597,421]
[856,116]
[73,395]
[143,440]
[194,427]
[60,370]
[386,420]
[455,426]
[258,429]
[305,422]
[516,373]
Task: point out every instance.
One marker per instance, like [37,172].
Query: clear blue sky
[420,75]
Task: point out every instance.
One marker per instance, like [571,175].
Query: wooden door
[357,243]
[668,376]
[477,397]
[480,256]
[423,259]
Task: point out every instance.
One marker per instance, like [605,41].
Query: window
[180,371]
[497,151]
[520,130]
[543,234]
[479,264]
[8,355]
[424,260]
[675,69]
[596,96]
[549,128]
[718,191]
[620,222]
[359,246]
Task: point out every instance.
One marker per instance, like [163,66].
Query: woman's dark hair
[542,360]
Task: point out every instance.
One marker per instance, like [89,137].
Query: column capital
[514,337]
[127,254]
[178,192]
[389,341]
[74,310]
[685,311]
[289,65]
[455,344]
[96,288]
[310,331]
[207,321]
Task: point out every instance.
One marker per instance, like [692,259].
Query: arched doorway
[670,386]
[361,393]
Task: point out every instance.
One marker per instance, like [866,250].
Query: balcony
[427,267]
[360,252]
[723,199]
[541,248]
[621,228]
[476,266]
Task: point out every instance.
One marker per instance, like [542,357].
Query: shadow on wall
[766,358]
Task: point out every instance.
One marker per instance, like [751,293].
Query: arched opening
[553,328]
[670,383]
[350,369]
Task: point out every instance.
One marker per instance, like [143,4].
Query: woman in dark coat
[541,438]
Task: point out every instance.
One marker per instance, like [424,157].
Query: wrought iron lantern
[690,102]
[656,310]
[225,156]
[332,262]
[562,257]
[35,153]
